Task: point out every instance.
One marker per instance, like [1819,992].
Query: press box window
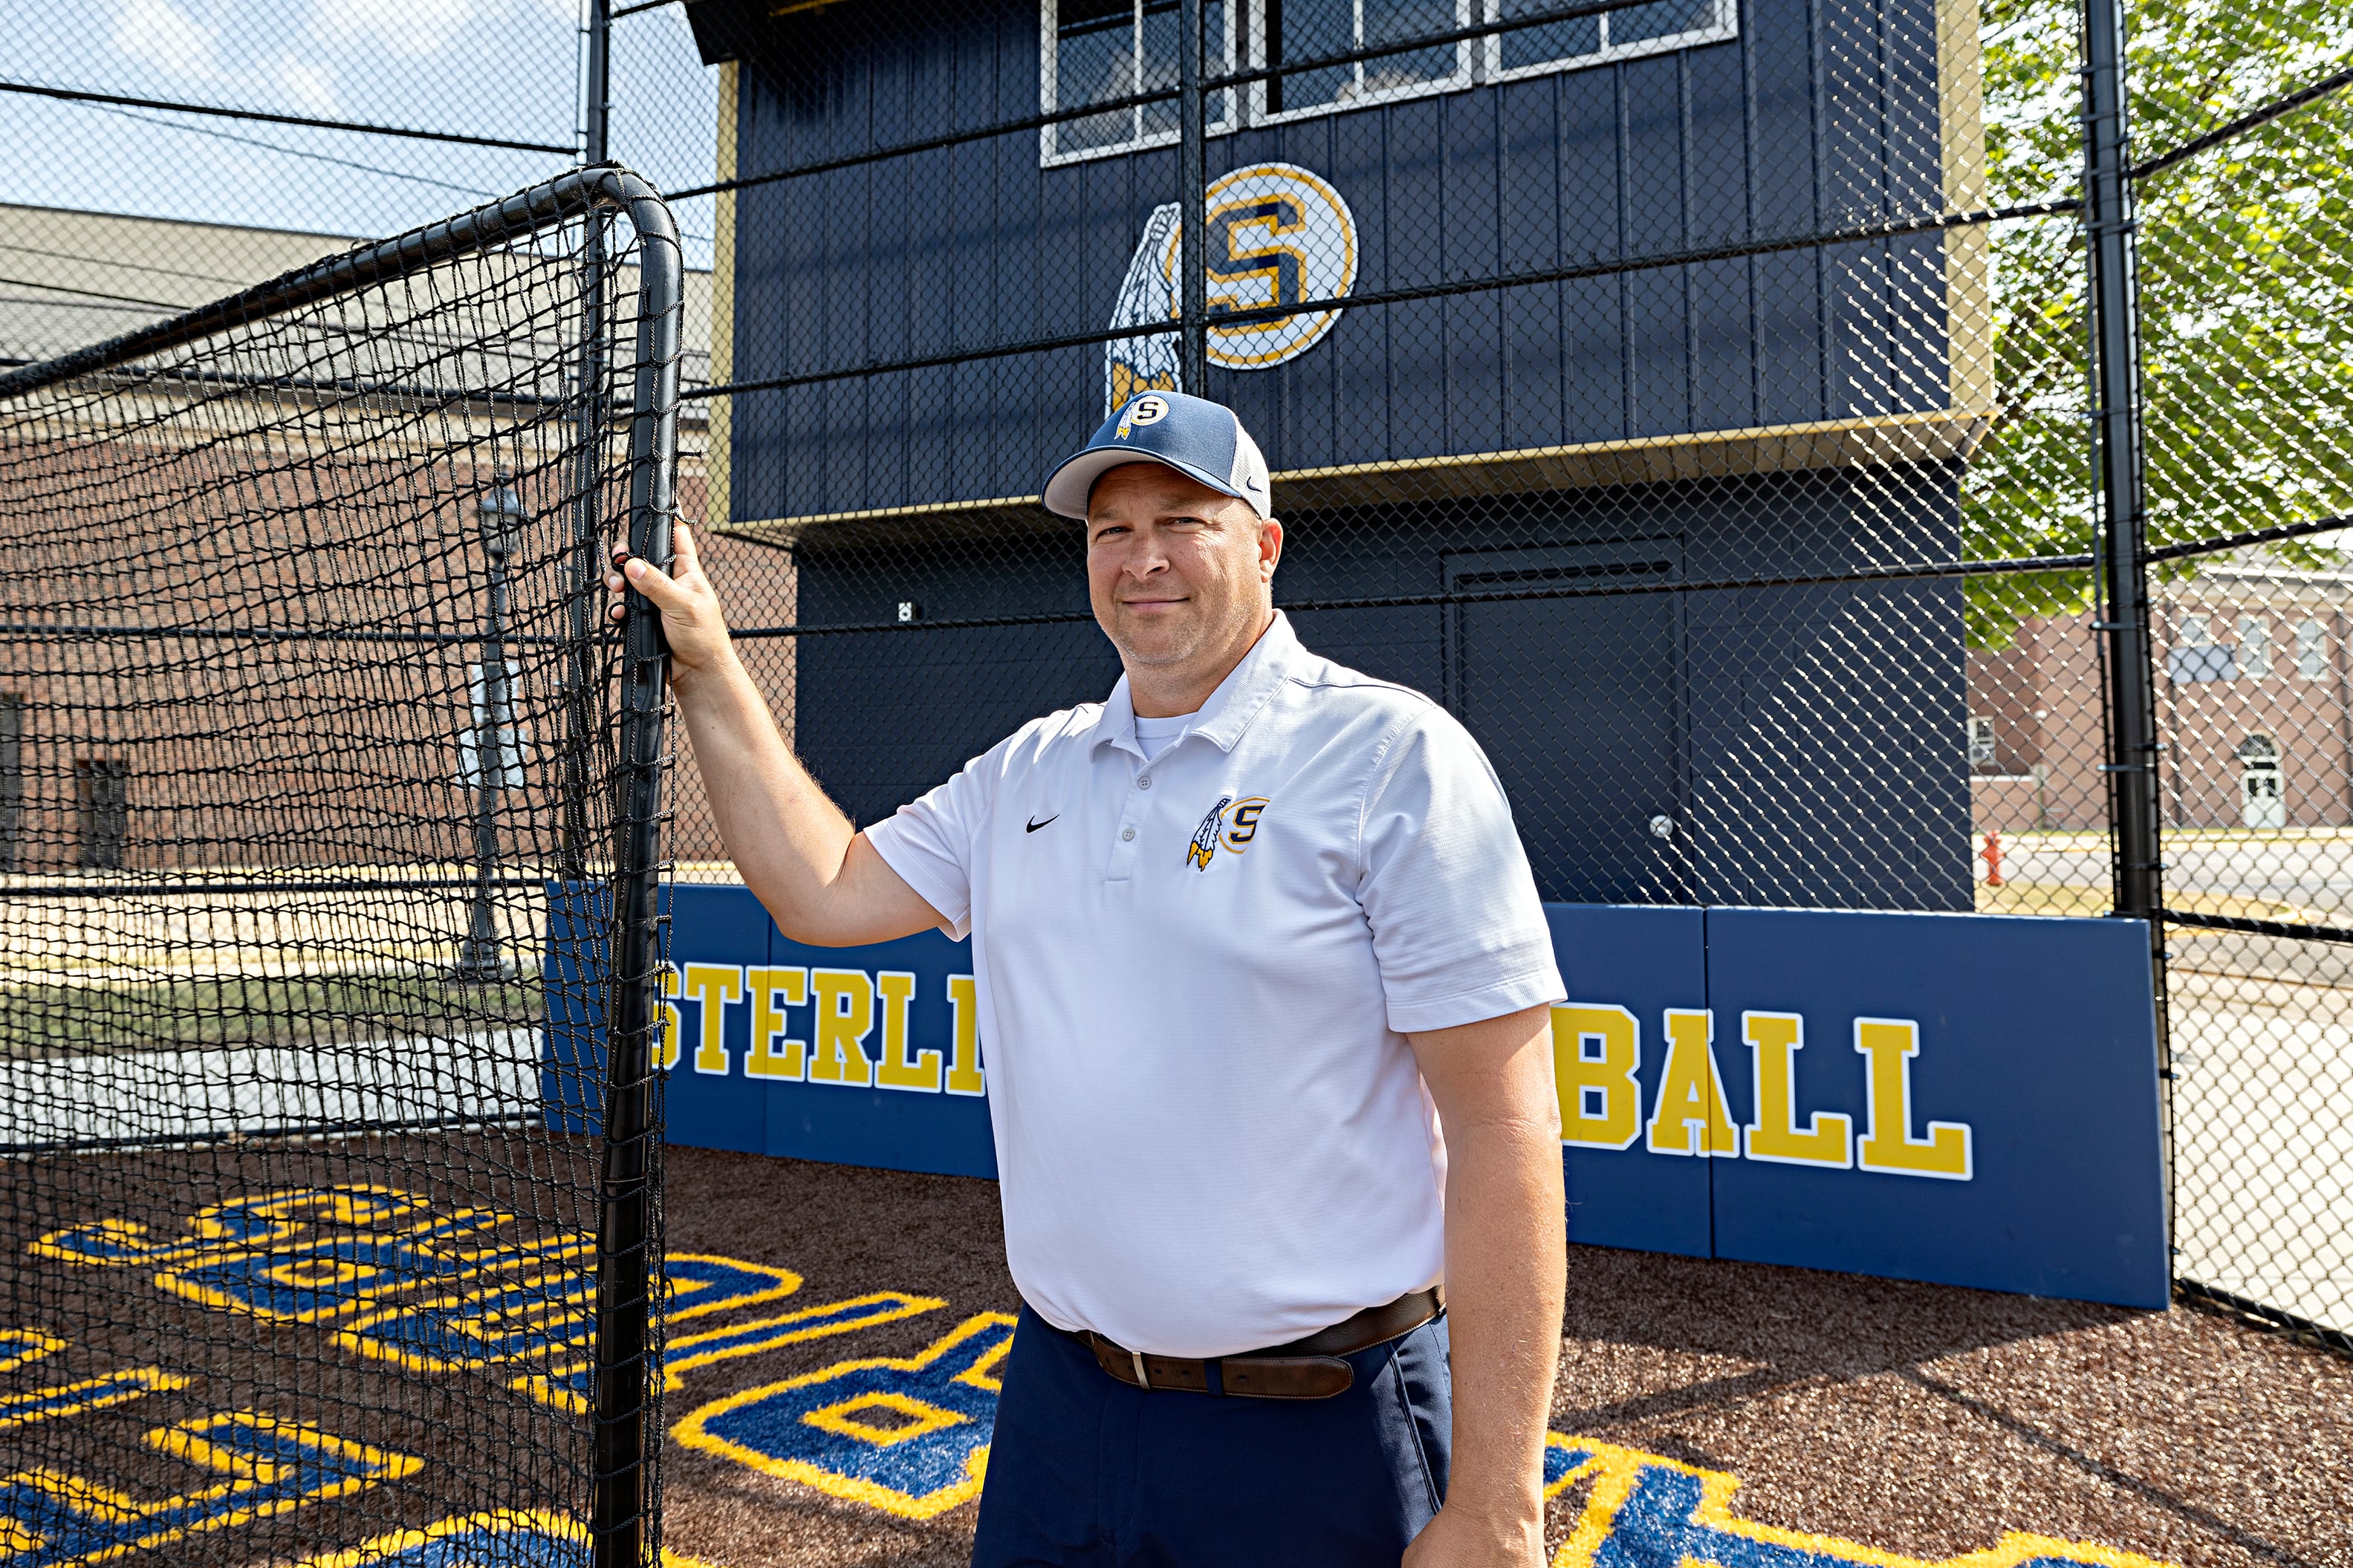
[1310,29]
[1098,50]
[1611,36]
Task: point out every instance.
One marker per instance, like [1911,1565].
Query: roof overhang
[730,29]
[1931,437]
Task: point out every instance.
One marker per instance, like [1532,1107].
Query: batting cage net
[330,851]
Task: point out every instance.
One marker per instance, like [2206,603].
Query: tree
[2246,300]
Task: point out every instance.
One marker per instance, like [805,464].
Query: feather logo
[1230,823]
[1204,837]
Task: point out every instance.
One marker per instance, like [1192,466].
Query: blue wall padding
[1646,961]
[2036,1035]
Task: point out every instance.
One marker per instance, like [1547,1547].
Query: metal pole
[2112,252]
[500,514]
[622,1529]
[587,568]
[2344,709]
[597,88]
[1193,179]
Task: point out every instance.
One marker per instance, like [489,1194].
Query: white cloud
[312,85]
[410,27]
[164,36]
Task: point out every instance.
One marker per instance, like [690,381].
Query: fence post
[622,1528]
[1193,179]
[2112,252]
[588,440]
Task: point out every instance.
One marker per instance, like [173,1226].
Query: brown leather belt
[1308,1368]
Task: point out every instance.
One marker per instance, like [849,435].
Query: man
[1248,935]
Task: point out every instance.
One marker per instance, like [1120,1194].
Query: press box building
[1608,324]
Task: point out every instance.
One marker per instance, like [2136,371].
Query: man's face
[1177,571]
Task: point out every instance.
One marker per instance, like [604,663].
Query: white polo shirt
[1195,975]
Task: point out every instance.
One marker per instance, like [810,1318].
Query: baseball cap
[1199,438]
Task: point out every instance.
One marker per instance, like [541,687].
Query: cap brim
[1067,487]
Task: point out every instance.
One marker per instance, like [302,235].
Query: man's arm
[804,860]
[1506,1269]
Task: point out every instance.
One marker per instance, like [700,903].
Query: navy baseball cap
[1199,438]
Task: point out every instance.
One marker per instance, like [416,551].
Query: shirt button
[1143,782]
[1125,834]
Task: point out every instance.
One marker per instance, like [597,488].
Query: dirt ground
[1892,1419]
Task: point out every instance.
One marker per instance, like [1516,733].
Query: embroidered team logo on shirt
[1230,823]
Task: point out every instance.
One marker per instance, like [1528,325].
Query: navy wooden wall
[1819,117]
[1805,743]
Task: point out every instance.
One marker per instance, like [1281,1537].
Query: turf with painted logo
[834,1337]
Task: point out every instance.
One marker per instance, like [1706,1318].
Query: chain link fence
[1818,449]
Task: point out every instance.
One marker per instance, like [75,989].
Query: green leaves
[2246,291]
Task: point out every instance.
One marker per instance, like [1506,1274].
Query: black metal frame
[2134,821]
[622,1504]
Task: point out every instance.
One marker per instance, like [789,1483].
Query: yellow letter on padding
[714,986]
[845,1013]
[770,1055]
[1595,1051]
[670,1025]
[1776,1038]
[1691,1116]
[1889,1045]
[964,1062]
[920,1072]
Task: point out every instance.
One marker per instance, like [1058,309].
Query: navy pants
[1086,1472]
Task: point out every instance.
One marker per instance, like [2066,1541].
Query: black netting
[321,791]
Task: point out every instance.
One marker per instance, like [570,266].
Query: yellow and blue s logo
[1231,825]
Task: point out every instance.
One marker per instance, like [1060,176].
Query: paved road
[2263,1141]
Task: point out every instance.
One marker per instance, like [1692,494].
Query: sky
[507,69]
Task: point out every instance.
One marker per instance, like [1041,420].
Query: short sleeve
[1458,930]
[929,841]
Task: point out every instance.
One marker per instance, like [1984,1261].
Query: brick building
[2254,701]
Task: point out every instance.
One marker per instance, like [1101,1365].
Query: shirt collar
[1230,708]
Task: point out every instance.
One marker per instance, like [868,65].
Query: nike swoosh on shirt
[1035,826]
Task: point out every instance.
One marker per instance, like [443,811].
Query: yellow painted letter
[1889,1045]
[1595,1051]
[964,1062]
[1691,1116]
[1776,1038]
[714,986]
[770,1055]
[918,1072]
[670,1025]
[845,1013]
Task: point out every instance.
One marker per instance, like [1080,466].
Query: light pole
[501,517]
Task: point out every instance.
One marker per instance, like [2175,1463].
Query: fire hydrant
[1991,855]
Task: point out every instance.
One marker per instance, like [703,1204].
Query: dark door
[1577,699]
[102,810]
